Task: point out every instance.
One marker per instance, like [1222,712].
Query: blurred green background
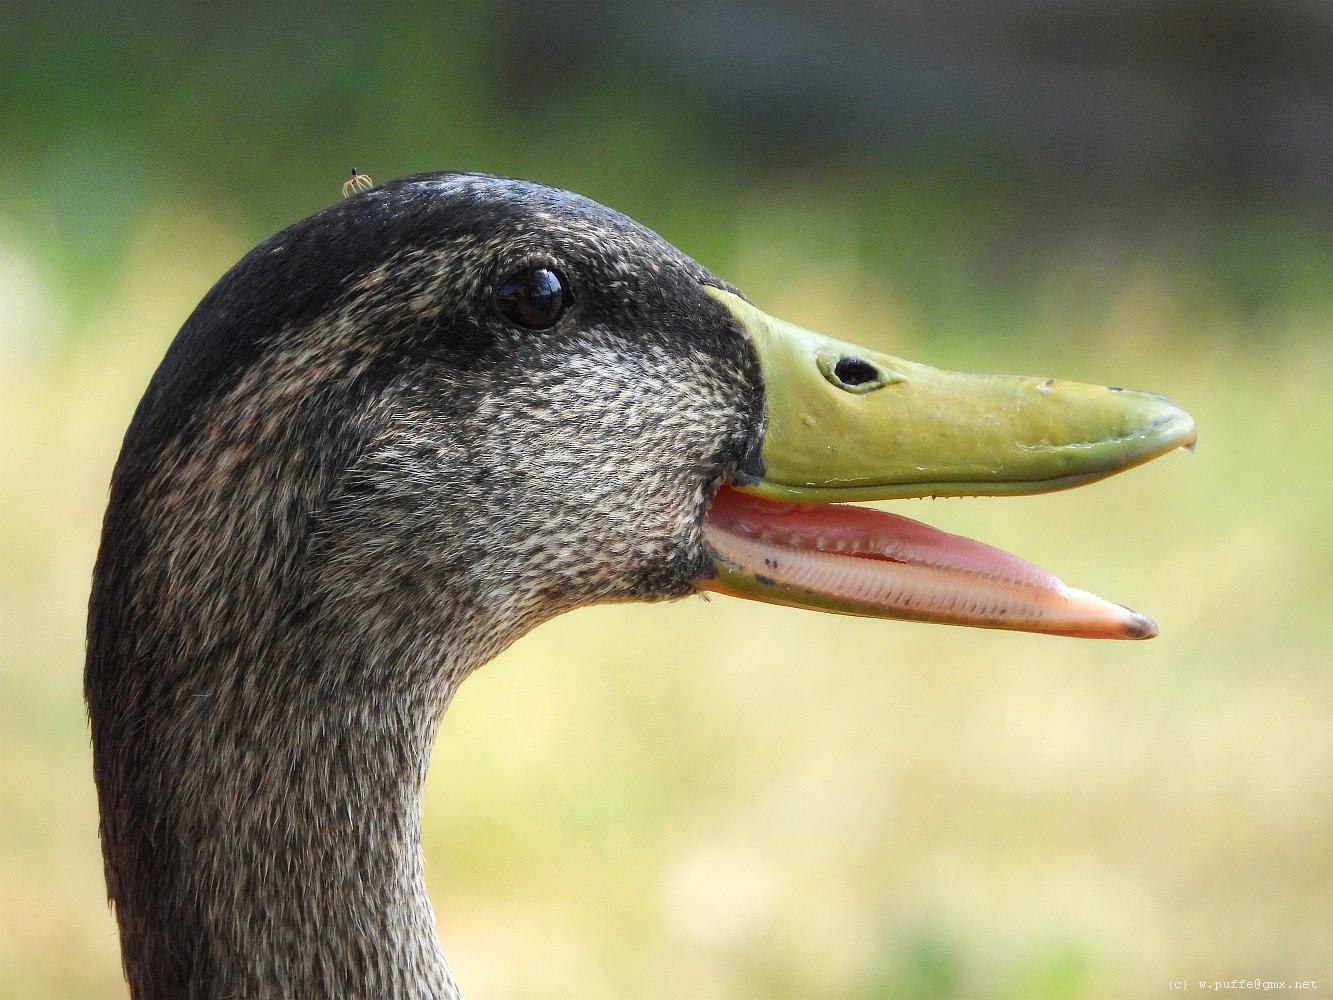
[720,799]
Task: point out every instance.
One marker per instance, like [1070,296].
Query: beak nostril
[851,373]
[855,371]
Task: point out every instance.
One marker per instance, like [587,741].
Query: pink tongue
[860,561]
[871,534]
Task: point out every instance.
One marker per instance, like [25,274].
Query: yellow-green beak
[846,423]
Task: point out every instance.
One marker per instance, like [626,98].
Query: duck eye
[535,297]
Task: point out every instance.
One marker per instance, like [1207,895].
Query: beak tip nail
[1140,626]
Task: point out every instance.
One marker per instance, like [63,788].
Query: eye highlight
[534,298]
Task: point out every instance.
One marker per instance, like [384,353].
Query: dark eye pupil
[534,298]
[854,371]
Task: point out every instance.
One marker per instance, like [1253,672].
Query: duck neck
[283,855]
[263,711]
[275,631]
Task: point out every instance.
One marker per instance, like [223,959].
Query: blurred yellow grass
[722,799]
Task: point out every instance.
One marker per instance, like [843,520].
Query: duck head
[465,398]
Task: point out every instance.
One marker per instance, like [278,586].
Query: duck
[411,427]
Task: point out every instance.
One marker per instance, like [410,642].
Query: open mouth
[859,561]
[846,424]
